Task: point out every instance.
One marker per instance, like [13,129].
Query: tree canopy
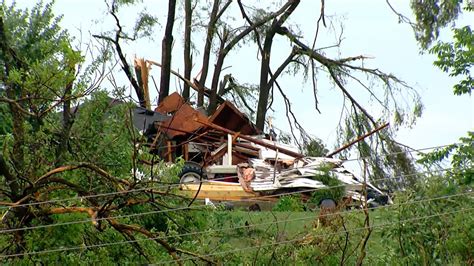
[79,184]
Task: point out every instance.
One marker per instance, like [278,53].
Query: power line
[170,185]
[336,213]
[224,252]
[402,152]
[150,189]
[252,199]
[164,211]
[325,234]
[269,223]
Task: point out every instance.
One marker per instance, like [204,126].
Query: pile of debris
[228,151]
[261,176]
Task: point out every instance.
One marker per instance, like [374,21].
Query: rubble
[238,161]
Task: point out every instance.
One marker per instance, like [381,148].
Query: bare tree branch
[131,228]
[211,31]
[125,66]
[231,43]
[89,166]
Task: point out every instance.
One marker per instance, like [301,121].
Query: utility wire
[375,227]
[162,211]
[170,185]
[207,231]
[326,215]
[148,189]
[224,252]
[175,185]
[402,152]
[156,211]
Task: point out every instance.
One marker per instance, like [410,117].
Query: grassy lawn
[244,229]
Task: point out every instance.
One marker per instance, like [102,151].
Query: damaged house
[228,158]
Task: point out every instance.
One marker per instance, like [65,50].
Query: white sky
[370,28]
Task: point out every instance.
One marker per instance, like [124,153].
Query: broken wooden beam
[357,140]
[251,139]
[204,135]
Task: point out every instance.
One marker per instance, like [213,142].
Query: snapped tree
[262,28]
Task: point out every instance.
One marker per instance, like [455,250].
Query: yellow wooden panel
[215,191]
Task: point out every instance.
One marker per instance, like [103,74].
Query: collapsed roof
[185,119]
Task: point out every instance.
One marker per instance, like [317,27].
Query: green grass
[243,229]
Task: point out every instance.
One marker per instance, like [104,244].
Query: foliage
[5,123]
[335,189]
[315,148]
[144,25]
[101,133]
[289,203]
[70,155]
[431,16]
[444,235]
[68,147]
[264,24]
[438,230]
[384,157]
[461,159]
[456,58]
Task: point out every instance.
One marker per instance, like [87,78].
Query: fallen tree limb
[131,228]
[89,166]
[194,85]
[92,212]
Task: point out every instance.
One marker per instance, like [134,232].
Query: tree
[71,153]
[211,31]
[188,60]
[262,28]
[71,162]
[448,239]
[166,52]
[265,85]
[455,57]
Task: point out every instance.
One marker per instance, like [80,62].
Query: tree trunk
[211,29]
[188,61]
[166,48]
[264,86]
[217,73]
[285,11]
[265,65]
[66,123]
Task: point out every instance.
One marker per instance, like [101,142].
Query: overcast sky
[370,28]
